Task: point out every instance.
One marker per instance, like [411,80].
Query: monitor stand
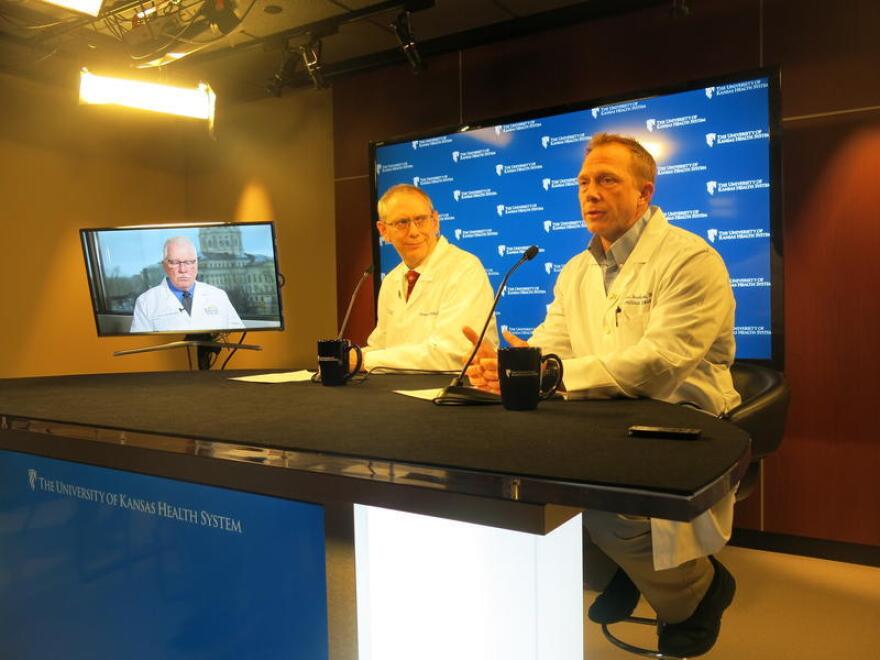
[206,345]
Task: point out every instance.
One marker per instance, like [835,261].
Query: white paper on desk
[285,377]
[427,395]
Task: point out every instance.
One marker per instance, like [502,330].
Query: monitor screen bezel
[93,294]
[774,79]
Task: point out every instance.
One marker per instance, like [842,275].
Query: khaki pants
[613,540]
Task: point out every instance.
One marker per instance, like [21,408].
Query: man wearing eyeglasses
[179,303]
[426,300]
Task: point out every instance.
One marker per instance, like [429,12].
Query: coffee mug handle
[360,360]
[551,357]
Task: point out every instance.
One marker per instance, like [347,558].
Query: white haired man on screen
[180,303]
[425,300]
[645,311]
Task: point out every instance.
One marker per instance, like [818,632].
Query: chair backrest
[764,406]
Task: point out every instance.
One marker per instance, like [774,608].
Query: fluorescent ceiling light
[91,7]
[197,103]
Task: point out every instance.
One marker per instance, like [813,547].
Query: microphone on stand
[456,394]
[366,274]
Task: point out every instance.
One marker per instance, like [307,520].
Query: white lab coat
[664,331]
[159,310]
[424,332]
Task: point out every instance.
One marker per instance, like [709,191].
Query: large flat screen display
[200,278]
[504,185]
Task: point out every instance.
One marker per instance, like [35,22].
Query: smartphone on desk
[670,432]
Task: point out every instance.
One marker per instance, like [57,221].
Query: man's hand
[352,361]
[483,371]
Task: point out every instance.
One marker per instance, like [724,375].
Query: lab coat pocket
[169,320]
[631,324]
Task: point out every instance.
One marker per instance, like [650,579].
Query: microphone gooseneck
[455,392]
[367,272]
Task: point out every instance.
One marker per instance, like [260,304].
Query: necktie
[188,302]
[411,277]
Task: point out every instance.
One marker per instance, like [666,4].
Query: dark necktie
[411,277]
[188,302]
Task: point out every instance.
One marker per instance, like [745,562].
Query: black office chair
[762,415]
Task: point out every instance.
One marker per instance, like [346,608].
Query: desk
[528,472]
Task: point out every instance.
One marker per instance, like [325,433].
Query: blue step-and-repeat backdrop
[100,564]
[502,188]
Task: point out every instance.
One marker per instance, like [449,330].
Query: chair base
[638,650]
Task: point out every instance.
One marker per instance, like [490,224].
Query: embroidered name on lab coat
[638,300]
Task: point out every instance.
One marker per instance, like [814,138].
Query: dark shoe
[697,634]
[617,602]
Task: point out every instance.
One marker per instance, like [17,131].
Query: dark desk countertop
[582,442]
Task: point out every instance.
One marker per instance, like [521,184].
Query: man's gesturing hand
[483,371]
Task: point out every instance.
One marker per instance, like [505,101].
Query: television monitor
[505,184]
[233,266]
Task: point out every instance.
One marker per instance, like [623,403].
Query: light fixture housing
[90,7]
[197,103]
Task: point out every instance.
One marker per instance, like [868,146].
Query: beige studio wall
[63,167]
[273,160]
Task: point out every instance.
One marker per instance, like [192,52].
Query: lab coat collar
[650,238]
[426,269]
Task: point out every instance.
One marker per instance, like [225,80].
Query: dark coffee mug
[333,356]
[519,374]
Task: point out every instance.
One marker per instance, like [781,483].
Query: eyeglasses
[174,263]
[402,226]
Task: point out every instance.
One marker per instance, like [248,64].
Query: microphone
[456,394]
[366,274]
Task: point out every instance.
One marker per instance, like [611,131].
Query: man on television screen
[430,295]
[180,303]
[645,311]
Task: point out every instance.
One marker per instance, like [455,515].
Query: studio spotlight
[197,103]
[91,7]
[403,30]
[311,59]
[281,78]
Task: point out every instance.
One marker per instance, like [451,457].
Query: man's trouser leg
[673,593]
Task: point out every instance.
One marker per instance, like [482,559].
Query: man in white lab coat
[179,303]
[430,295]
[645,311]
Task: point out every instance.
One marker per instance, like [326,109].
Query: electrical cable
[233,351]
